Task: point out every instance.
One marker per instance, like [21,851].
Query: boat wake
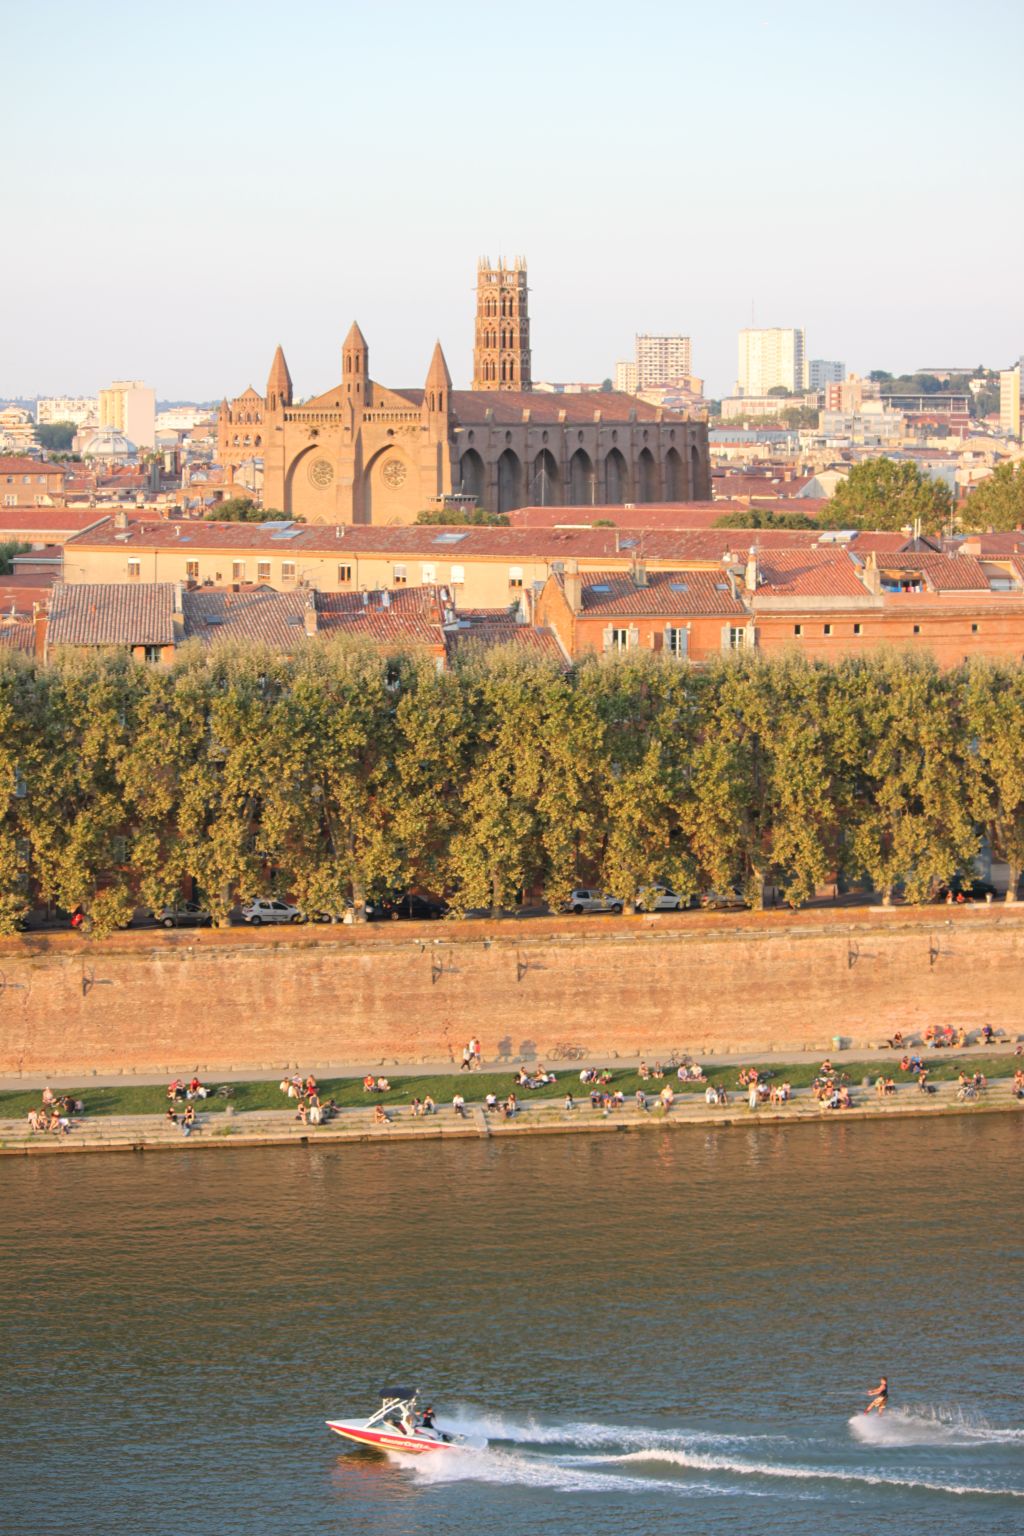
[939,1425]
[581,1457]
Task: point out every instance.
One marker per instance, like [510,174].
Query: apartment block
[770,359]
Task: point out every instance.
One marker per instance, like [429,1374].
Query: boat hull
[388,1440]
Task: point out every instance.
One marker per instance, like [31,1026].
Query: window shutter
[608,637]
[726,629]
[634,636]
[751,638]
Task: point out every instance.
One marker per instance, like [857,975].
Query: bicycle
[566,1051]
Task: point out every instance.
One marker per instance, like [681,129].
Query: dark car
[187,914]
[960,890]
[419,908]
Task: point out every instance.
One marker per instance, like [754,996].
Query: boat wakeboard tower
[397,1425]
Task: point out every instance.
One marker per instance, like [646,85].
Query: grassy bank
[131,1100]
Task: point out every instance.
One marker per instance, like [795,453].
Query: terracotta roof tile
[672,593]
[92,614]
[13,464]
[405,616]
[18,635]
[809,573]
[260,615]
[943,573]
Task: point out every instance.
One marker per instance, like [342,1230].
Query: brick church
[365,453]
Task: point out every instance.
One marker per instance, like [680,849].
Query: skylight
[678,586]
[448,538]
[286,531]
[721,586]
[600,589]
[280,522]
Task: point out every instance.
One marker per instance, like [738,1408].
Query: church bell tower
[501,349]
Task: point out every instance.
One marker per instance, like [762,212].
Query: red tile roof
[675,514]
[26,522]
[94,614]
[808,573]
[18,635]
[259,615]
[12,464]
[668,593]
[943,573]
[405,616]
[501,629]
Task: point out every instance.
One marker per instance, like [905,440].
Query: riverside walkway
[263,1128]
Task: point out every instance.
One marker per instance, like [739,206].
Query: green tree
[463,517]
[22,713]
[764,517]
[7,553]
[763,808]
[242,509]
[895,740]
[992,707]
[886,494]
[56,437]
[497,849]
[997,503]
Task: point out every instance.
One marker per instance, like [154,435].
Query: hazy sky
[190,183]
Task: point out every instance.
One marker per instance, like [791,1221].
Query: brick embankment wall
[406,993]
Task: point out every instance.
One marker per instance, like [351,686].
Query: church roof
[470,407]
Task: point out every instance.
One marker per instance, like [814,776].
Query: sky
[192,183]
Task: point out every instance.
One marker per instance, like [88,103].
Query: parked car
[410,905]
[659,898]
[587,900]
[723,901]
[966,890]
[187,914]
[265,910]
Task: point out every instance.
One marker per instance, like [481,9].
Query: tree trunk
[1011,889]
[495,896]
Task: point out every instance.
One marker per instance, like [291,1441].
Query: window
[858,629]
[399,576]
[677,640]
[192,570]
[263,570]
[344,575]
[458,575]
[428,574]
[10,501]
[737,638]
[238,570]
[287,570]
[619,640]
[515,575]
[20,785]
[151,652]
[119,849]
[828,629]
[974,629]
[134,568]
[917,629]
[798,629]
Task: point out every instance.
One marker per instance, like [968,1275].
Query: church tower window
[501,353]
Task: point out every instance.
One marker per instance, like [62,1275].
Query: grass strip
[131,1099]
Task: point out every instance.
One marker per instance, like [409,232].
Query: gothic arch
[545,488]
[673,476]
[647,476]
[376,488]
[472,478]
[616,478]
[510,482]
[581,479]
[695,474]
[289,478]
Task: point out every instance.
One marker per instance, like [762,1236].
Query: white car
[585,900]
[659,898]
[264,910]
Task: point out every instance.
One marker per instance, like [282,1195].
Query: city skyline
[318,171]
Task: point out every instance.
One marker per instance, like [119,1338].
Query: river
[652,1333]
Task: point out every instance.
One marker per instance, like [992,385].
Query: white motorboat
[396,1426]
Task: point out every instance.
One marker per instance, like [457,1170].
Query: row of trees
[339,774]
[889,494]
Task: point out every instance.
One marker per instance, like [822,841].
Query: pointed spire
[438,377]
[279,384]
[355,338]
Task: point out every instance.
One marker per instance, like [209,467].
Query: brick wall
[404,993]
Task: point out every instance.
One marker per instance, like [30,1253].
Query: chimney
[639,573]
[871,576]
[752,574]
[179,606]
[573,586]
[339,532]
[120,518]
[385,598]
[309,615]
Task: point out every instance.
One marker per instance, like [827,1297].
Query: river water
[647,1333]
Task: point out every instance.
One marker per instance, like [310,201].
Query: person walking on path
[467,1059]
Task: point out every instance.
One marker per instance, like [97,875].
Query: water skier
[879,1397]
